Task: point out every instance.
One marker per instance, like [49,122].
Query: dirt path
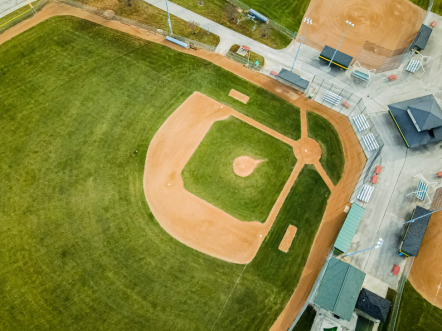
[390,24]
[426,273]
[355,158]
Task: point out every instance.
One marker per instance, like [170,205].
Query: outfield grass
[209,173]
[145,13]
[80,249]
[437,5]
[253,56]
[325,134]
[391,296]
[416,313]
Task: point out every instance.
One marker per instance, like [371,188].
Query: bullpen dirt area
[390,24]
[426,272]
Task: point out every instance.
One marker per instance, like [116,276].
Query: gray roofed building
[419,120]
[373,305]
[422,37]
[339,288]
[299,82]
[411,243]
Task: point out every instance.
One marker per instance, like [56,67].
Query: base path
[426,272]
[354,155]
[390,24]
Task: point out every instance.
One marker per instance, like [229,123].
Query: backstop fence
[272,23]
[240,59]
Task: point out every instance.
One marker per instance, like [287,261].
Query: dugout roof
[424,114]
[348,231]
[422,37]
[415,232]
[339,288]
[293,78]
[373,305]
[341,59]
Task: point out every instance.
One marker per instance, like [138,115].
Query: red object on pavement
[274,73]
[392,77]
[346,105]
[433,24]
[439,174]
[377,170]
[245,48]
[395,269]
[374,179]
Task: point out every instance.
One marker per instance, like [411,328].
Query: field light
[379,244]
[308,21]
[349,24]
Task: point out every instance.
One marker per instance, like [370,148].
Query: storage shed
[348,230]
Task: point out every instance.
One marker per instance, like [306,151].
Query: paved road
[8,6]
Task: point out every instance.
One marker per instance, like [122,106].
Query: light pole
[414,219]
[348,25]
[307,21]
[378,245]
[168,18]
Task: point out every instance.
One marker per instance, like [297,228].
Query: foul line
[225,304]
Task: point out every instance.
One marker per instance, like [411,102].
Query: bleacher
[361,122]
[413,65]
[360,75]
[332,98]
[370,142]
[365,193]
[422,189]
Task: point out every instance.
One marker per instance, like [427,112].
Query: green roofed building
[348,231]
[339,288]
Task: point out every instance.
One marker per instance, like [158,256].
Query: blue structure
[259,16]
[178,42]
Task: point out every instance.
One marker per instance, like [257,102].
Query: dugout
[294,80]
[422,38]
[348,230]
[340,60]
[411,243]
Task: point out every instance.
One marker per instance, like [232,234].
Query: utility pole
[168,18]
[307,21]
[348,25]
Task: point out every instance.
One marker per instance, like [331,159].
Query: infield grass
[209,173]
[332,158]
[80,249]
[416,313]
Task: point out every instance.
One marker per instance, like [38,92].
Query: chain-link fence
[272,24]
[240,59]
[22,14]
[111,16]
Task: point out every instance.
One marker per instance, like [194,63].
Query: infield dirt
[354,156]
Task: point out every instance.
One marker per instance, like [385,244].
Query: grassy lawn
[306,320]
[80,249]
[15,17]
[391,296]
[209,173]
[226,14]
[142,12]
[253,56]
[416,313]
[325,134]
[437,5]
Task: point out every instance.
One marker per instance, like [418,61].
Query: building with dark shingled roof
[422,38]
[411,243]
[419,120]
[373,305]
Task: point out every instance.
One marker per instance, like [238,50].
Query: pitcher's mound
[243,166]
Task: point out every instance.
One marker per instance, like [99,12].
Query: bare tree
[231,12]
[194,27]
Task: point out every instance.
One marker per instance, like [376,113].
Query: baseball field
[87,241]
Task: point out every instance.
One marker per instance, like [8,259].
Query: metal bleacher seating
[361,75]
[332,98]
[422,189]
[413,65]
[370,142]
[365,193]
[361,122]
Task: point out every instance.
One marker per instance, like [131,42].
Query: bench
[392,78]
[361,122]
[421,192]
[332,98]
[370,142]
[374,179]
[433,24]
[395,269]
[439,174]
[365,193]
[345,104]
[274,73]
[360,75]
[377,170]
[413,65]
[178,42]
